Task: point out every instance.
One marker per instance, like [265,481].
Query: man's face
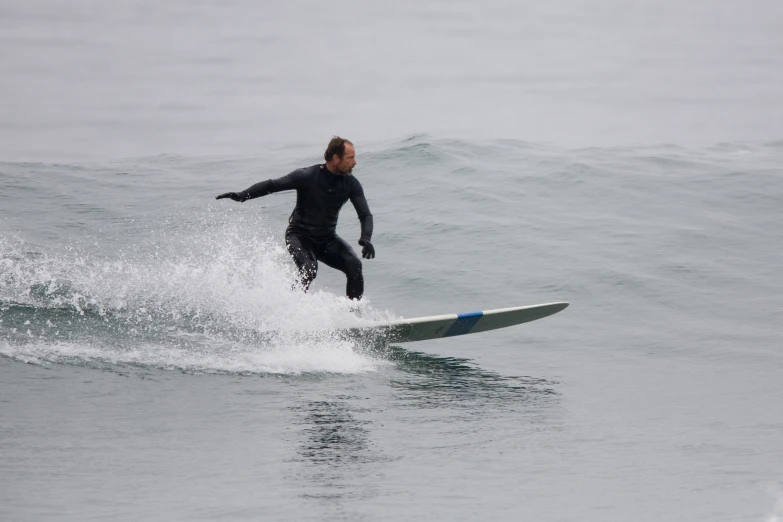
[348,161]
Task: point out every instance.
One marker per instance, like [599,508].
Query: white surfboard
[437,326]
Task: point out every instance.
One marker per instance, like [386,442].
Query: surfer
[321,191]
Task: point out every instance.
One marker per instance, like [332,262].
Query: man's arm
[288,182]
[365,218]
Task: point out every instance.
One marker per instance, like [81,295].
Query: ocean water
[155,363]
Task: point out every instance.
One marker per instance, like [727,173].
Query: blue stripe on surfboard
[463,324]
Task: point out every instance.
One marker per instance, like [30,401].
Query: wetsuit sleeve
[362,209]
[290,181]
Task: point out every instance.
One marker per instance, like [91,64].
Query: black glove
[236,196]
[368,251]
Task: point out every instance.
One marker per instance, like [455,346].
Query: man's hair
[336,146]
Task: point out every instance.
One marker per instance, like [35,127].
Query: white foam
[302,358]
[208,297]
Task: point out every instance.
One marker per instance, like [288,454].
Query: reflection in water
[336,449]
[428,381]
[333,435]
[341,461]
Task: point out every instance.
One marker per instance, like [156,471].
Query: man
[321,191]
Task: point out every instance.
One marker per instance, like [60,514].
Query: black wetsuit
[311,235]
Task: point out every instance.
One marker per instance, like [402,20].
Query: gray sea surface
[626,157]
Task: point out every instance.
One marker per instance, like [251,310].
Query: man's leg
[339,255]
[303,252]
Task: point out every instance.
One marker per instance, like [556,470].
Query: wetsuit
[311,234]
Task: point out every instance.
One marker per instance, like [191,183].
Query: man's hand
[232,195]
[368,251]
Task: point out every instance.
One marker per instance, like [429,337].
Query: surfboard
[438,326]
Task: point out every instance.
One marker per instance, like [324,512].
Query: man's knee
[353,266]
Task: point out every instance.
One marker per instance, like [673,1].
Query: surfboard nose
[552,308]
